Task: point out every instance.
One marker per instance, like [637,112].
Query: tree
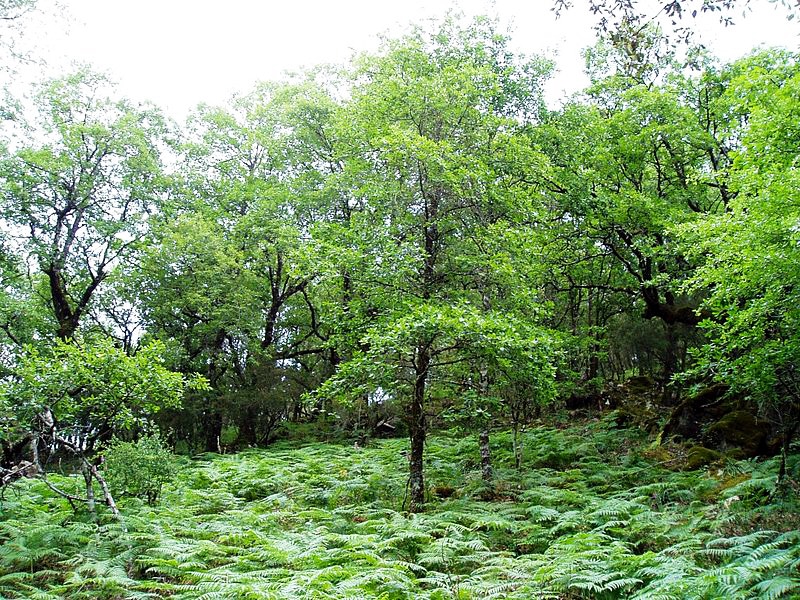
[507,366]
[437,153]
[77,201]
[750,253]
[620,18]
[229,279]
[12,12]
[636,159]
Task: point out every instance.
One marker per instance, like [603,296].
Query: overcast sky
[179,53]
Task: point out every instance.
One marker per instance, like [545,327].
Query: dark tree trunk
[483,437]
[213,432]
[15,452]
[594,362]
[247,428]
[788,436]
[670,365]
[67,316]
[87,478]
[417,429]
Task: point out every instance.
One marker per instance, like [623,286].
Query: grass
[593,513]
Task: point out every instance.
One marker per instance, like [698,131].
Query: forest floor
[596,511]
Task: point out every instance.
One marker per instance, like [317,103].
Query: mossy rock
[667,455]
[640,384]
[587,401]
[637,415]
[714,494]
[690,416]
[700,456]
[741,432]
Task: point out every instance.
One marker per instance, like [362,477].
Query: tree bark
[483,437]
[788,435]
[517,446]
[67,316]
[417,428]
[486,456]
[213,432]
[109,499]
[90,501]
[247,429]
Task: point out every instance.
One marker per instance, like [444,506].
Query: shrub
[139,468]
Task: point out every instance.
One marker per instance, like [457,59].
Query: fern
[326,521]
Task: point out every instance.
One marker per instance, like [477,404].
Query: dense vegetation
[412,244]
[593,513]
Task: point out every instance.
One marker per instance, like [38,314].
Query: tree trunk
[486,456]
[788,436]
[670,366]
[112,505]
[67,316]
[517,446]
[247,428]
[90,501]
[213,432]
[417,429]
[483,437]
[15,452]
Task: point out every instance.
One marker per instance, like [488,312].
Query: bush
[139,468]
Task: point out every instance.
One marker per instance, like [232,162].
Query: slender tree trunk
[486,456]
[788,436]
[517,444]
[670,362]
[109,499]
[594,362]
[593,368]
[417,430]
[422,361]
[90,501]
[483,437]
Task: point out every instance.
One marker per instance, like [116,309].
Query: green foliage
[749,252]
[78,193]
[412,235]
[94,382]
[139,468]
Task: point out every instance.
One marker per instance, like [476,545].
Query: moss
[699,456]
[696,411]
[741,430]
[667,455]
[659,454]
[714,494]
[734,480]
[637,415]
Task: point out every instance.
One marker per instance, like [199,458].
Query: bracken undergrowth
[592,513]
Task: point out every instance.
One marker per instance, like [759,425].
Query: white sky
[179,53]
